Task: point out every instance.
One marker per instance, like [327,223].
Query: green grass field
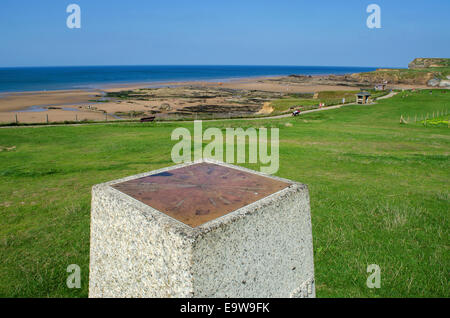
[379,194]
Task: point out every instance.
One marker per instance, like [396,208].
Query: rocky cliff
[433,72]
[394,76]
[421,63]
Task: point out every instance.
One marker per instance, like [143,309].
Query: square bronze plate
[200,192]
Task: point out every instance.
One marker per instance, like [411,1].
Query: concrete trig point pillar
[205,229]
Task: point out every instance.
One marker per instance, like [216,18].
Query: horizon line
[255,65]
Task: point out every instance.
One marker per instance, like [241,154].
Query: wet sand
[22,100]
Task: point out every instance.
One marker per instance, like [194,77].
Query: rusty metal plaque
[201,192]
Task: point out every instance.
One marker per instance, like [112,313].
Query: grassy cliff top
[429,63]
[420,71]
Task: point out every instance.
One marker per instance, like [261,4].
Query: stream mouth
[43,108]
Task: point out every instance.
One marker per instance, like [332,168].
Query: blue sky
[228,32]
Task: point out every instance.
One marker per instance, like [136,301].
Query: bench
[147,119]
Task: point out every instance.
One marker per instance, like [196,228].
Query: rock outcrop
[444,83]
[420,63]
[432,72]
[433,82]
[394,76]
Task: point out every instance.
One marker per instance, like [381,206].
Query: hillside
[432,72]
[420,63]
[379,194]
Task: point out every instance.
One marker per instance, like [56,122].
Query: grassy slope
[427,62]
[438,67]
[379,194]
[329,98]
[406,76]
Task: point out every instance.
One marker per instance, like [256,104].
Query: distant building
[363,97]
[380,87]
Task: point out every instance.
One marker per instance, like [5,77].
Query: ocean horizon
[17,79]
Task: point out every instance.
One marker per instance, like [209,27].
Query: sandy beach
[72,105]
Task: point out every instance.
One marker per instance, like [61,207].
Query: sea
[15,79]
